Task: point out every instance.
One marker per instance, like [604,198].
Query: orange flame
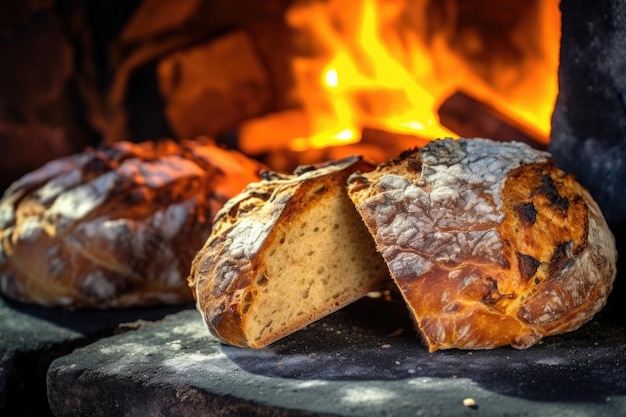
[373,69]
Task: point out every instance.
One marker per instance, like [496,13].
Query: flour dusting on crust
[489,242]
[450,211]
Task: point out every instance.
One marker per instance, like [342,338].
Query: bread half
[287,251]
[489,242]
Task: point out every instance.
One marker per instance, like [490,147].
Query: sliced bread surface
[287,251]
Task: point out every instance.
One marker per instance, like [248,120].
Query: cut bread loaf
[287,251]
[489,243]
[115,226]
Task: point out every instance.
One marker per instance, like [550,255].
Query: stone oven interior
[77,73]
[242,71]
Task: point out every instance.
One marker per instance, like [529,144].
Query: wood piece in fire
[470,117]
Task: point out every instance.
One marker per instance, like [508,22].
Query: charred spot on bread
[550,191]
[528,266]
[527,213]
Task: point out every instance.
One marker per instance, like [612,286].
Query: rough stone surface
[362,361]
[31,337]
[589,120]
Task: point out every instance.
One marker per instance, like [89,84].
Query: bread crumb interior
[323,259]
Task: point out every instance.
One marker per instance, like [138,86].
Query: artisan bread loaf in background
[489,242]
[287,251]
[115,226]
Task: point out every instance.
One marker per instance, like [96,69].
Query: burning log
[392,142]
[272,131]
[469,117]
[286,160]
[274,138]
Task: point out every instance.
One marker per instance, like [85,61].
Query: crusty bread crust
[286,252]
[115,226]
[489,242]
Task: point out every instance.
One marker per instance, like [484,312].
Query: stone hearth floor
[32,337]
[364,360]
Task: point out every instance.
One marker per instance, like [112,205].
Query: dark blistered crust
[489,242]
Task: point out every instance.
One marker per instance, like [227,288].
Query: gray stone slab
[31,337]
[362,361]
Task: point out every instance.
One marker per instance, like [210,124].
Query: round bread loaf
[287,251]
[115,226]
[489,242]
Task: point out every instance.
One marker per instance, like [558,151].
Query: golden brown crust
[490,243]
[233,268]
[115,226]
